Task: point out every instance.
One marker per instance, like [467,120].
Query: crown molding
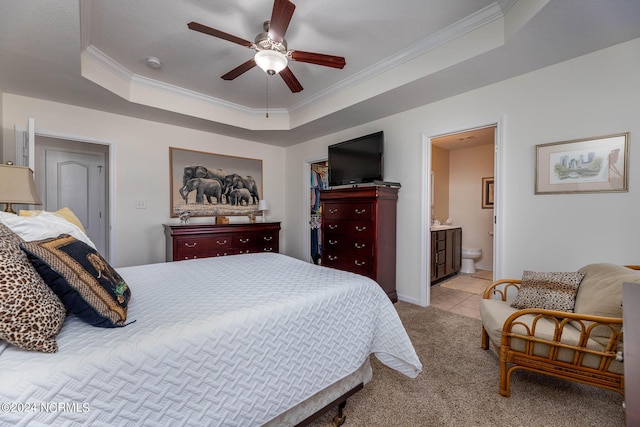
[127,81]
[470,23]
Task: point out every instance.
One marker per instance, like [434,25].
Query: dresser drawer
[344,246]
[202,246]
[350,229]
[358,211]
[358,265]
[245,243]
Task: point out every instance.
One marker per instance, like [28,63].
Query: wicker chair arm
[561,318]
[492,289]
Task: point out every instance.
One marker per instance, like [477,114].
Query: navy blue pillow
[85,283]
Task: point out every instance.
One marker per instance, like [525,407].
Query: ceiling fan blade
[280,18]
[243,68]
[290,80]
[318,59]
[219,34]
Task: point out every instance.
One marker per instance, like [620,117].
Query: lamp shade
[271,61]
[263,205]
[17,185]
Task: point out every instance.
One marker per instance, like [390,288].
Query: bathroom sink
[441,227]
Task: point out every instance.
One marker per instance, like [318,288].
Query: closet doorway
[318,181]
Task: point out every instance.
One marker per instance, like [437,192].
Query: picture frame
[204,184]
[589,165]
[487,193]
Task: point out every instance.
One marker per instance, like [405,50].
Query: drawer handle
[360,245]
[191,245]
[333,210]
[244,240]
[190,258]
[268,239]
[360,211]
[268,249]
[223,242]
[332,258]
[359,264]
[360,228]
[333,242]
[224,254]
[333,226]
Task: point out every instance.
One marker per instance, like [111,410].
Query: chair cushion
[31,315]
[552,291]
[600,293]
[87,285]
[494,314]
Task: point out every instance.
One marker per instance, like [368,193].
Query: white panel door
[77,181]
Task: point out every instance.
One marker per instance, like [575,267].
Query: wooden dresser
[209,240]
[359,233]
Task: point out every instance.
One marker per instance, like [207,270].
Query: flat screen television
[357,161]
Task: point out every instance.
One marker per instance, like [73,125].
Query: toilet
[469,255]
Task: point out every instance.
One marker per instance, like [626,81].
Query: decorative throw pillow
[43,226]
[31,315]
[552,291]
[65,213]
[87,285]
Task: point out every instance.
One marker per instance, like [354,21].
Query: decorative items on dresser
[359,233]
[446,252]
[210,240]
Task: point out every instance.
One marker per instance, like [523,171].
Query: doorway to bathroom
[461,193]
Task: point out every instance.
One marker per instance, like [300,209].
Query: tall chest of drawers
[359,233]
[211,240]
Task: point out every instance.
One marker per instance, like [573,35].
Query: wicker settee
[584,345]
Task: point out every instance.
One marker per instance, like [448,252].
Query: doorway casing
[426,203]
[22,146]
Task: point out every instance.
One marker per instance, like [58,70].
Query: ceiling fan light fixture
[271,61]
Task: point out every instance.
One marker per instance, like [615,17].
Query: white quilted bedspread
[230,341]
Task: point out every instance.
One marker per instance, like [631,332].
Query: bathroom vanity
[446,251]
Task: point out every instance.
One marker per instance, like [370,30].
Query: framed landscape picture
[487,193]
[207,184]
[590,165]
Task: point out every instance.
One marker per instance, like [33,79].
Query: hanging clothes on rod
[319,181]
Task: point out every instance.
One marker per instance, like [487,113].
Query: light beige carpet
[459,386]
[467,283]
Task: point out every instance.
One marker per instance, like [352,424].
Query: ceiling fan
[272,54]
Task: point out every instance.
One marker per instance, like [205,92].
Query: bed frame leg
[340,418]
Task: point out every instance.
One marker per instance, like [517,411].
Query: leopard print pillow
[553,291]
[31,315]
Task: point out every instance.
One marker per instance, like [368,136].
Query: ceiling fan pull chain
[267,115]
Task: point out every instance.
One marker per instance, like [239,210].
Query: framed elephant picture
[207,184]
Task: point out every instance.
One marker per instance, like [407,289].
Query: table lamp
[17,186]
[263,206]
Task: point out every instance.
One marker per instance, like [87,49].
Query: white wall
[467,168]
[589,96]
[141,161]
[593,95]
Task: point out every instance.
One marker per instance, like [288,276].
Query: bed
[242,340]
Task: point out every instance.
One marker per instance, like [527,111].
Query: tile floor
[458,301]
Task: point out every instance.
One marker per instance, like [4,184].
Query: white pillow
[43,226]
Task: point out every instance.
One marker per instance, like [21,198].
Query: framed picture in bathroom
[487,193]
[590,165]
